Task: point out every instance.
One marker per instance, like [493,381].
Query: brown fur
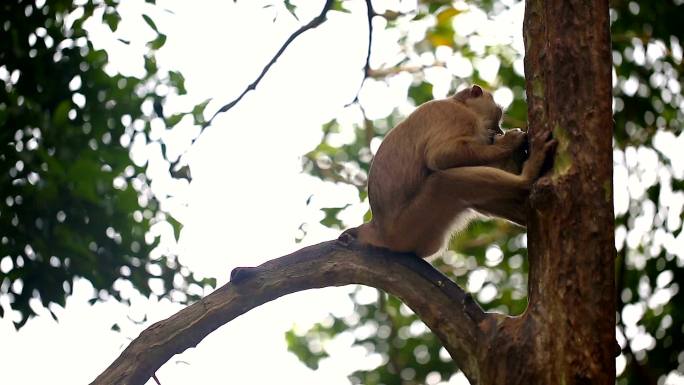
[445,161]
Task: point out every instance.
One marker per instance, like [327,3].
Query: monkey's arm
[465,152]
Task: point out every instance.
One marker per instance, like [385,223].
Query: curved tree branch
[444,307]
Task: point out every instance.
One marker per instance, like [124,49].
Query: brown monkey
[446,162]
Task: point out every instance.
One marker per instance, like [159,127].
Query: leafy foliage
[649,115]
[490,257]
[73,203]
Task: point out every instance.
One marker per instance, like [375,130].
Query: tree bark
[567,334]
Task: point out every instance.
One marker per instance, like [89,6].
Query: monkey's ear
[475,91]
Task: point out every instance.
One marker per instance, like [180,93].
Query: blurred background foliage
[73,204]
[489,259]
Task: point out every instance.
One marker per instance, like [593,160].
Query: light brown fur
[446,160]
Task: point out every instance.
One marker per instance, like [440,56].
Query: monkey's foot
[346,238]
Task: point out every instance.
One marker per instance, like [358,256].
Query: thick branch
[451,313]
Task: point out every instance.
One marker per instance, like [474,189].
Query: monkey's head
[482,103]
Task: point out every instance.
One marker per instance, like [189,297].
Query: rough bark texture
[566,336]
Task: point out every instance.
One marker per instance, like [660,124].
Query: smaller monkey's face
[482,103]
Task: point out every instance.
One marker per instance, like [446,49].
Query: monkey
[447,162]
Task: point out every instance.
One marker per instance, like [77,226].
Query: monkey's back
[399,168]
[396,172]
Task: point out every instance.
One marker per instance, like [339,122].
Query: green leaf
[434,6]
[291,8]
[174,119]
[445,16]
[112,19]
[209,282]
[61,114]
[338,6]
[151,65]
[421,93]
[149,22]
[367,216]
[177,80]
[331,219]
[157,42]
[198,112]
[330,127]
[419,16]
[182,173]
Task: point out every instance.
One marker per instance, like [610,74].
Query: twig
[384,72]
[366,67]
[368,126]
[315,22]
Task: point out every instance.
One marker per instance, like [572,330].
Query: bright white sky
[247,198]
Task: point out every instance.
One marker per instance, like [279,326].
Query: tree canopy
[74,204]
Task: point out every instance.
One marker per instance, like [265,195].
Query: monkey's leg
[489,190]
[446,198]
[514,210]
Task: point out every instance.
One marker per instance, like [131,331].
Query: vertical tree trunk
[567,334]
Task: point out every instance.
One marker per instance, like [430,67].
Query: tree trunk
[567,334]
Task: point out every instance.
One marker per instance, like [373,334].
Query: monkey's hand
[511,139]
[513,163]
[544,146]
